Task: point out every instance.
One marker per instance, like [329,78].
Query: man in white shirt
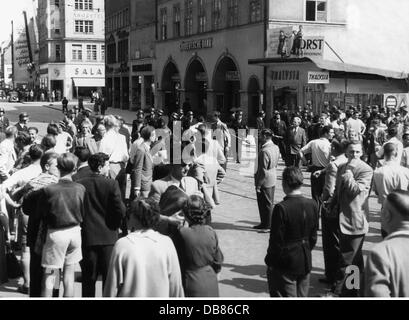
[114,145]
[391,176]
[320,150]
[392,137]
[355,124]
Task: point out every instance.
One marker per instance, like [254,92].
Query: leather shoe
[259,227]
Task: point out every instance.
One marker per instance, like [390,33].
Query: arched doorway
[226,86]
[253,91]
[171,87]
[195,87]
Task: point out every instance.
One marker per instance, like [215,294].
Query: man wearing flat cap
[22,123]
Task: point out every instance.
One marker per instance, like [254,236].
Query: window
[57,52]
[57,31]
[111,53]
[216,14]
[176,20]
[188,17]
[163,24]
[84,26]
[91,52]
[77,52]
[57,3]
[83,5]
[123,51]
[255,11]
[126,17]
[232,13]
[202,16]
[316,11]
[103,52]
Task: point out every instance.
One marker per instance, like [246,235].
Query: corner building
[202,55]
[72,47]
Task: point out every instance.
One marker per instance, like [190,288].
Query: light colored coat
[266,174]
[386,270]
[351,197]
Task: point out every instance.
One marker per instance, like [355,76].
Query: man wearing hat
[188,121]
[64,105]
[4,124]
[22,124]
[159,117]
[150,119]
[241,131]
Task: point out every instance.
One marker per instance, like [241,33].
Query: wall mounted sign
[84,71]
[196,44]
[285,75]
[318,77]
[232,76]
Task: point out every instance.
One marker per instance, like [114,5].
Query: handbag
[14,270]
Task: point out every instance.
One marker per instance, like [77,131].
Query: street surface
[244,272]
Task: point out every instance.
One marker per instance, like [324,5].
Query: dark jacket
[297,141]
[20,128]
[82,173]
[4,124]
[104,211]
[63,204]
[293,235]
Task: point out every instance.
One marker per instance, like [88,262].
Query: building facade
[202,55]
[326,52]
[72,47]
[130,40]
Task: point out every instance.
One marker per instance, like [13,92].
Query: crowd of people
[65,200]
[349,154]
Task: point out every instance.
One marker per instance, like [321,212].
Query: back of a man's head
[390,150]
[66,163]
[393,131]
[146,132]
[47,158]
[48,142]
[97,160]
[82,153]
[11,132]
[293,178]
[36,152]
[399,200]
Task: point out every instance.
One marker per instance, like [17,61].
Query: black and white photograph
[204,149]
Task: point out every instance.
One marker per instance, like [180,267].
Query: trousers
[282,285]
[95,262]
[265,202]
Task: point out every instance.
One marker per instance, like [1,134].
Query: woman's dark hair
[53,129]
[146,211]
[195,210]
[293,178]
[82,153]
[48,142]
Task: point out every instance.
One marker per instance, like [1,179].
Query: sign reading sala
[196,44]
[88,71]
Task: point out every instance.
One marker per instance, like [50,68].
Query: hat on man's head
[88,110]
[190,113]
[159,112]
[23,115]
[76,107]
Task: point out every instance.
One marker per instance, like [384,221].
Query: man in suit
[137,125]
[351,202]
[279,129]
[296,140]
[104,212]
[23,121]
[293,236]
[83,169]
[241,131]
[265,179]
[142,171]
[386,271]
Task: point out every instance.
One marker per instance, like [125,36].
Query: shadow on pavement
[230,226]
[246,284]
[251,270]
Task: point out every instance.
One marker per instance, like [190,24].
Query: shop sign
[196,44]
[396,100]
[285,75]
[201,76]
[349,100]
[175,77]
[291,42]
[88,72]
[232,76]
[318,77]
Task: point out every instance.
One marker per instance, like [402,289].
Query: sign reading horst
[290,43]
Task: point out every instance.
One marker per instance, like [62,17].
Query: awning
[333,66]
[89,82]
